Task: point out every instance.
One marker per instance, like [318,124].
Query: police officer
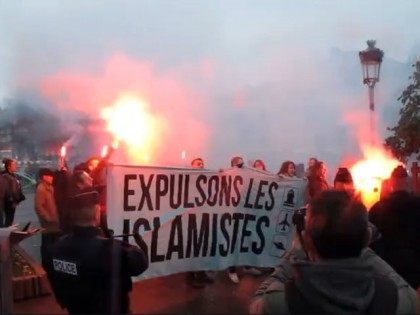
[90,273]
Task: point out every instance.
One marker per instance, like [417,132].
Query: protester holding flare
[61,184]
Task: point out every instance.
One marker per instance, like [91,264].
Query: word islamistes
[187,239]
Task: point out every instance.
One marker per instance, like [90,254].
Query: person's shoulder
[40,186]
[120,245]
[271,302]
[61,243]
[6,175]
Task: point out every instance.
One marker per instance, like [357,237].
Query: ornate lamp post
[371,59]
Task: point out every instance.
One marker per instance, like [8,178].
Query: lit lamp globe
[371,59]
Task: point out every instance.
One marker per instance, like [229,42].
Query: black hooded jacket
[397,218]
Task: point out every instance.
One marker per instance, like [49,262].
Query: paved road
[25,213]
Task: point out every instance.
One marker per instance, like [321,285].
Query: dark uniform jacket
[92,274]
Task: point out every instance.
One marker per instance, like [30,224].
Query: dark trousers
[47,240]
[2,223]
[9,214]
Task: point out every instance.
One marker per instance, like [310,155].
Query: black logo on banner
[289,197]
[278,247]
[283,226]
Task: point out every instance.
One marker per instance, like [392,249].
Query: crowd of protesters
[373,258]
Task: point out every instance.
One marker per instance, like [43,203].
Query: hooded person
[344,181]
[335,273]
[397,218]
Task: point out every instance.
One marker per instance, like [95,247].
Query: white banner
[203,220]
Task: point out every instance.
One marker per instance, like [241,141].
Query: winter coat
[46,208]
[397,218]
[15,190]
[334,286]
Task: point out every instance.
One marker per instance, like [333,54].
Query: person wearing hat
[397,218]
[90,273]
[46,209]
[14,187]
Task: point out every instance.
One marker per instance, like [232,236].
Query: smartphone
[26,227]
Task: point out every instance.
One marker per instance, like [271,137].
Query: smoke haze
[268,79]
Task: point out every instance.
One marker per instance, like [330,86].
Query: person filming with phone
[330,269]
[90,273]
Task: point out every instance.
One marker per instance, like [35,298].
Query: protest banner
[203,220]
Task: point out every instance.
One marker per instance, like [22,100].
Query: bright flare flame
[104,151]
[369,173]
[63,151]
[130,121]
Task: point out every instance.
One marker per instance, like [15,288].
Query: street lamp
[371,59]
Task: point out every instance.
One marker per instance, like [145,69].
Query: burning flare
[63,152]
[104,151]
[130,121]
[369,173]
